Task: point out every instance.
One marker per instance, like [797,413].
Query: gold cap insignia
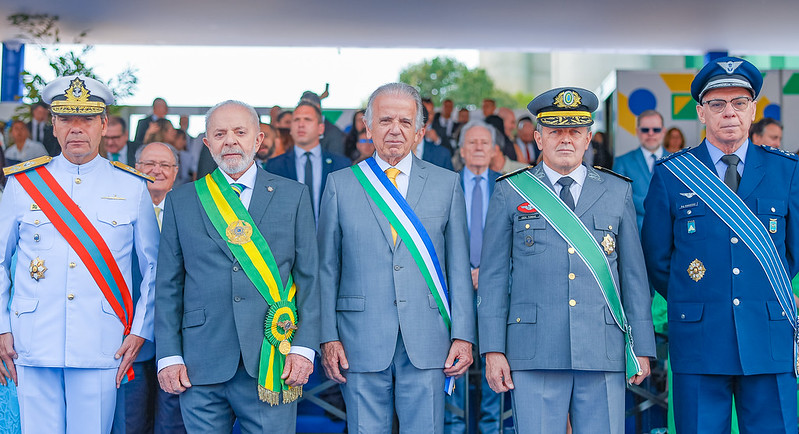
[76,100]
[567,99]
[696,270]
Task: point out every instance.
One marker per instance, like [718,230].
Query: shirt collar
[79,169]
[404,165]
[578,174]
[247,179]
[716,153]
[658,152]
[316,152]
[468,175]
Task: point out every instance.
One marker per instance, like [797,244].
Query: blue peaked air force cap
[727,72]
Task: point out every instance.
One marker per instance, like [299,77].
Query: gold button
[114,222]
[527,226]
[572,303]
[518,320]
[36,222]
[72,265]
[17,313]
[571,276]
[610,227]
[571,250]
[77,180]
[71,296]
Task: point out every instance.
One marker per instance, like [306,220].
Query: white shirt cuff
[169,361]
[303,351]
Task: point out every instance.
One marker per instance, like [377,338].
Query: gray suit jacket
[371,288]
[524,308]
[207,310]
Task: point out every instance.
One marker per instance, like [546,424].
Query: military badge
[239,232]
[528,241]
[696,270]
[567,99]
[37,269]
[772,226]
[609,244]
[526,208]
[691,226]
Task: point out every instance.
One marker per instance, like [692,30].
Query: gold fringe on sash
[273,398]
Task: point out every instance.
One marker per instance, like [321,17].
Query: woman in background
[675,140]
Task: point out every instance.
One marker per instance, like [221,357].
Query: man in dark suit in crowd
[117,145]
[444,123]
[332,139]
[42,130]
[160,110]
[428,149]
[308,162]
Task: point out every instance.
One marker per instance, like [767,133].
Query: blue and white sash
[741,220]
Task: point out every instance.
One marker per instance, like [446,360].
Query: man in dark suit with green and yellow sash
[237,302]
[563,303]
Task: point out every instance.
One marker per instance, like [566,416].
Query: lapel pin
[270,188]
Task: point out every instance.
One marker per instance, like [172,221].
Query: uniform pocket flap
[609,316]
[533,223]
[775,311]
[20,305]
[523,313]
[606,223]
[686,312]
[113,218]
[771,206]
[691,208]
[194,318]
[351,303]
[107,307]
[35,219]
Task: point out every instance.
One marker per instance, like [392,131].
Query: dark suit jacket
[437,155]
[333,139]
[49,141]
[285,166]
[141,128]
[442,131]
[207,310]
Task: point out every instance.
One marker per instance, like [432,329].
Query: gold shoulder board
[132,171]
[26,165]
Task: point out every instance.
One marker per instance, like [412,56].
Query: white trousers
[66,400]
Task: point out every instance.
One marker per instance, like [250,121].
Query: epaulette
[670,156]
[26,165]
[132,171]
[779,151]
[618,175]
[509,174]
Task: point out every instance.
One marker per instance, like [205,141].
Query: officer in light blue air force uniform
[729,323]
[545,327]
[62,337]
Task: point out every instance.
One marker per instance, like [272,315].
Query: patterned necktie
[731,176]
[565,194]
[392,173]
[238,188]
[309,180]
[158,217]
[476,223]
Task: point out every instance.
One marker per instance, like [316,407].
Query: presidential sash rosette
[235,225]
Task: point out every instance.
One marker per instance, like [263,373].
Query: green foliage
[42,31]
[445,78]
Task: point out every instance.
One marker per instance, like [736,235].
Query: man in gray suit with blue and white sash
[397,303]
[233,243]
[557,318]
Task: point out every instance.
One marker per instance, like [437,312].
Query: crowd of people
[183,284]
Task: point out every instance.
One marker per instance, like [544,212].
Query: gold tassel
[268,396]
[292,394]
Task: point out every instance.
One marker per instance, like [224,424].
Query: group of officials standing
[251,281]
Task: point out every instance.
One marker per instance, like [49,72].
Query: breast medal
[696,270]
[609,244]
[37,269]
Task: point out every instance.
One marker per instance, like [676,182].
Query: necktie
[392,173]
[238,188]
[565,194]
[731,176]
[476,223]
[309,180]
[115,156]
[654,159]
[158,216]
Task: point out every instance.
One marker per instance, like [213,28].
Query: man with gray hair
[397,300]
[237,304]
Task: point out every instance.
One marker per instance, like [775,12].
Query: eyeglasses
[718,105]
[150,165]
[647,130]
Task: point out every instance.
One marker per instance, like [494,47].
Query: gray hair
[473,124]
[396,89]
[174,151]
[255,118]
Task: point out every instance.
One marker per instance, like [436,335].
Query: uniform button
[572,303]
[736,302]
[395,302]
[397,268]
[773,210]
[571,276]
[71,297]
[77,180]
[734,240]
[682,316]
[36,237]
[688,212]
[518,320]
[783,313]
[114,222]
[36,222]
[527,226]
[610,227]
[17,313]
[72,265]
[571,250]
[237,299]
[736,271]
[235,268]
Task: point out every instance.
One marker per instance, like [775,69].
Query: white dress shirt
[578,175]
[650,162]
[404,167]
[721,167]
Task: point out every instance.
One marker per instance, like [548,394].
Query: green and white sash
[571,229]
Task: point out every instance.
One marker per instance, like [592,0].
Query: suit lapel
[327,167]
[209,227]
[382,221]
[416,183]
[291,163]
[640,161]
[591,192]
[261,196]
[753,172]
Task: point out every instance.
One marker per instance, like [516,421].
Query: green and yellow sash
[234,224]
